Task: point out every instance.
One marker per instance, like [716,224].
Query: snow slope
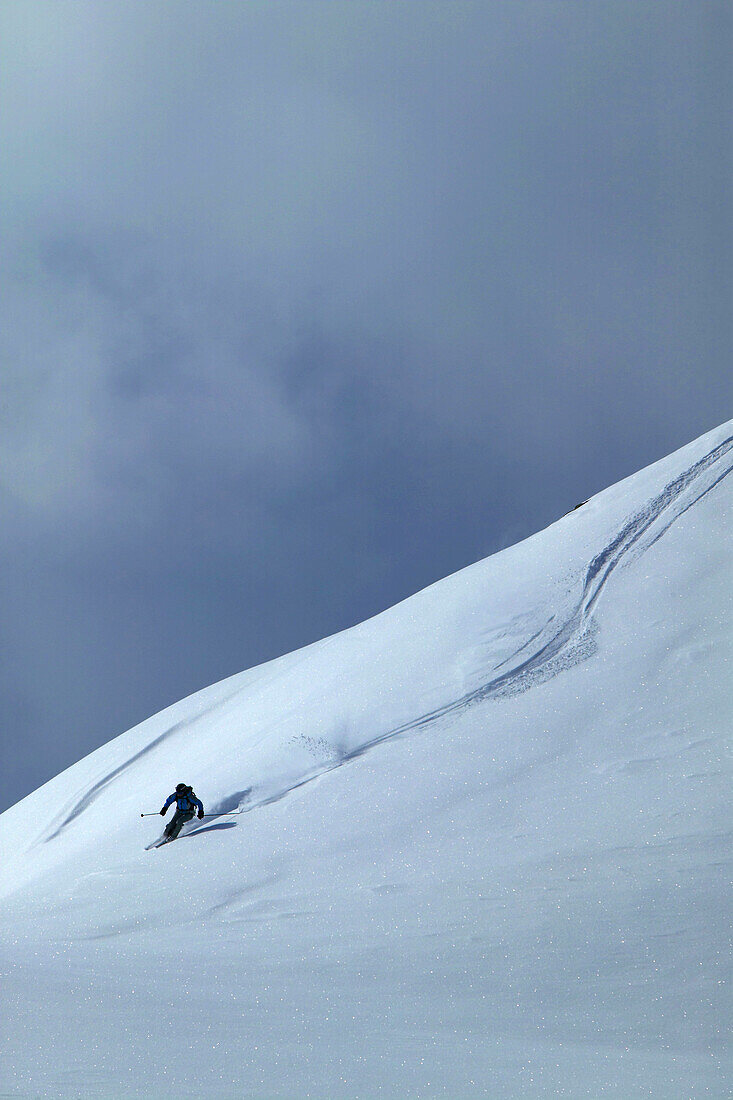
[480,849]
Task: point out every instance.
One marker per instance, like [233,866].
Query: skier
[186,802]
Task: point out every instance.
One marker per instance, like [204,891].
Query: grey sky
[306,305]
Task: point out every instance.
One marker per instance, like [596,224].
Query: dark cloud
[308,305]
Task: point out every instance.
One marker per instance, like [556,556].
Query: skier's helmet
[182,786]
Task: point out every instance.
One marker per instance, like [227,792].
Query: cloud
[306,305]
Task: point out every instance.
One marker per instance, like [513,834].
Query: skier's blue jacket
[186,800]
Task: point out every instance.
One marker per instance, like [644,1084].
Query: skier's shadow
[211,828]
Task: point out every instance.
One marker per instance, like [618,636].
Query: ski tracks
[563,642]
[561,646]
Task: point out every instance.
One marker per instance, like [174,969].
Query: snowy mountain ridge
[495,813]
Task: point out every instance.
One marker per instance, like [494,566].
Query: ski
[158,843]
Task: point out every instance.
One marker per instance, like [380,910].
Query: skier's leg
[179,821]
[168,831]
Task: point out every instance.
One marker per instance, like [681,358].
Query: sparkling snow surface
[482,846]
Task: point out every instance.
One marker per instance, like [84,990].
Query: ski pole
[224,813]
[227,814]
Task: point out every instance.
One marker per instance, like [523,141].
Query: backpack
[190,799]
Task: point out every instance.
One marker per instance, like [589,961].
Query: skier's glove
[162,812]
[201,813]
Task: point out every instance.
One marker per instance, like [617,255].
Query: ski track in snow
[558,647]
[573,641]
[96,789]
